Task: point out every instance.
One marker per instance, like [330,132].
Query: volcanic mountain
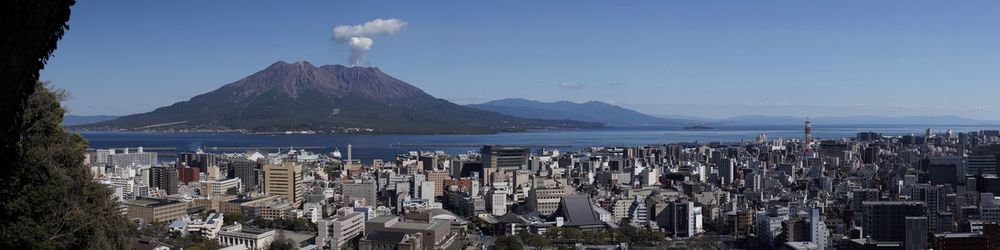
[300,96]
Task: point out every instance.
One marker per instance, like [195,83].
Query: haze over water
[367,147]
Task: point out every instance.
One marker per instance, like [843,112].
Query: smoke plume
[359,37]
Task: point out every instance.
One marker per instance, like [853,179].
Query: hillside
[300,96]
[592,111]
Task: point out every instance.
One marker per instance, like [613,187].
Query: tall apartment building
[164,177]
[249,172]
[284,180]
[127,157]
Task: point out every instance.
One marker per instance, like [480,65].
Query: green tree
[230,218]
[531,239]
[507,242]
[48,198]
[55,203]
[280,242]
[572,233]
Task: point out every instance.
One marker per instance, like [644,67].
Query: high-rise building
[187,174]
[507,158]
[980,164]
[685,219]
[284,180]
[438,177]
[164,177]
[427,191]
[916,233]
[883,219]
[726,167]
[249,172]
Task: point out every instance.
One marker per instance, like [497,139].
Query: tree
[55,203]
[230,218]
[48,198]
[281,243]
[507,242]
[535,240]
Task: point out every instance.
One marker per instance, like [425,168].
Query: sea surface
[368,147]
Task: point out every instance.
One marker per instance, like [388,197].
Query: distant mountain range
[300,96]
[613,115]
[86,119]
[844,120]
[852,120]
[592,111]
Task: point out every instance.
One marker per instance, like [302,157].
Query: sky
[696,58]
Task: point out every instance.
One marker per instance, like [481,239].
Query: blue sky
[701,58]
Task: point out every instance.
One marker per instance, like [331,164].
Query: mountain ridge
[300,96]
[590,111]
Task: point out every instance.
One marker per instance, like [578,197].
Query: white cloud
[369,29]
[358,37]
[570,85]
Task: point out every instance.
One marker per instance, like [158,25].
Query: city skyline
[700,59]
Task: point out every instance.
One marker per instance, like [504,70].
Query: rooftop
[149,202]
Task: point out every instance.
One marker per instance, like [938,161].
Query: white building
[251,239]
[214,188]
[340,229]
[497,202]
[208,228]
[427,191]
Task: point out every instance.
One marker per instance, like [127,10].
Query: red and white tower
[808,140]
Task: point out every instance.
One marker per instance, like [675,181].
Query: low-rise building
[156,210]
[249,238]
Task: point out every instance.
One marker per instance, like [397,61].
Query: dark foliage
[507,242]
[48,198]
[52,202]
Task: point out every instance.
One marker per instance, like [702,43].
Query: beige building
[216,188]
[284,180]
[438,178]
[156,210]
[546,194]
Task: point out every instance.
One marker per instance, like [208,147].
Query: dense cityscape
[782,193]
[499,125]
